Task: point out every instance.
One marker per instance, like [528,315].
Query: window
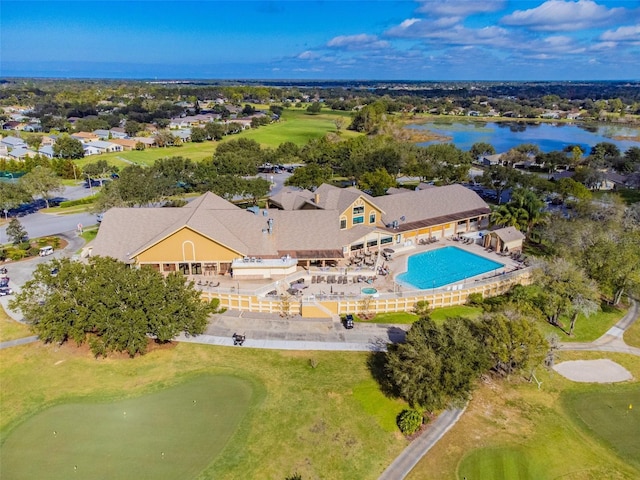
[372,217]
[358,220]
[358,210]
[372,243]
[343,223]
[196,268]
[385,240]
[184,268]
[169,267]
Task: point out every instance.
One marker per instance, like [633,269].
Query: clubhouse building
[211,236]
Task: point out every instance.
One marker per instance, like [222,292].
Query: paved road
[41,224]
[20,272]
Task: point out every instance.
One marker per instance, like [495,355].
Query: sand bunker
[593,371]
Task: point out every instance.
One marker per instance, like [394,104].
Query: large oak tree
[109,305]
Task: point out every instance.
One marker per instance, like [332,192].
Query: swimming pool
[443,266]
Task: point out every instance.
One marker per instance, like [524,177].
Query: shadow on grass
[377,365]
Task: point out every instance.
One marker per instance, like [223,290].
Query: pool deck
[357,278]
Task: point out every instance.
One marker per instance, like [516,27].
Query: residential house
[183,134]
[489,160]
[47,151]
[148,142]
[13,142]
[85,137]
[109,134]
[125,143]
[20,153]
[104,147]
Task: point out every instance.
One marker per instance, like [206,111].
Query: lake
[548,136]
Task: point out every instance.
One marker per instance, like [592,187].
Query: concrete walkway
[612,340]
[411,455]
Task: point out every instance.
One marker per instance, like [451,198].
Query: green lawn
[173,433]
[440,314]
[295,126]
[299,127]
[611,415]
[497,464]
[632,335]
[323,422]
[513,430]
[587,329]
[10,329]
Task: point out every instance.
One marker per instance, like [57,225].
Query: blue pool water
[443,266]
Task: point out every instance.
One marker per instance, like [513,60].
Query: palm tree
[510,215]
[532,204]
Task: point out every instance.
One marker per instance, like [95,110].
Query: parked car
[4,281]
[4,291]
[348,321]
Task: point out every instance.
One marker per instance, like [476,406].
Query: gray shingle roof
[431,206]
[509,234]
[127,232]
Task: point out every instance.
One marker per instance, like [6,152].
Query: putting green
[497,464]
[606,414]
[172,433]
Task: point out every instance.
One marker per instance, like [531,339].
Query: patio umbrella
[389,250]
[298,286]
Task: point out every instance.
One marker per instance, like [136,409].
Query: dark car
[3,271]
[348,321]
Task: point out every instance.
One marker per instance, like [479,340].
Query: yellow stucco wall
[187,245]
[368,210]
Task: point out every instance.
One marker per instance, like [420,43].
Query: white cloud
[561,15]
[307,55]
[622,34]
[459,8]
[361,41]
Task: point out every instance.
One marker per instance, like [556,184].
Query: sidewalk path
[19,341]
[411,455]
[612,340]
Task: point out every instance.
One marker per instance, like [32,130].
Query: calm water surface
[548,136]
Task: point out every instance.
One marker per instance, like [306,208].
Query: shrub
[409,421]
[475,299]
[16,254]
[421,308]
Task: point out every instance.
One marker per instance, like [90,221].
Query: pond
[548,136]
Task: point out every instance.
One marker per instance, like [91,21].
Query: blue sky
[367,40]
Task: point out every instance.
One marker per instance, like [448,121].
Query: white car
[5,291]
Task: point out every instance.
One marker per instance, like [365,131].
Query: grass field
[607,414]
[632,335]
[172,433]
[587,329]
[295,126]
[330,421]
[496,464]
[517,431]
[10,329]
[299,127]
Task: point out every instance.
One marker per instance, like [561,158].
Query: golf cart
[348,321]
